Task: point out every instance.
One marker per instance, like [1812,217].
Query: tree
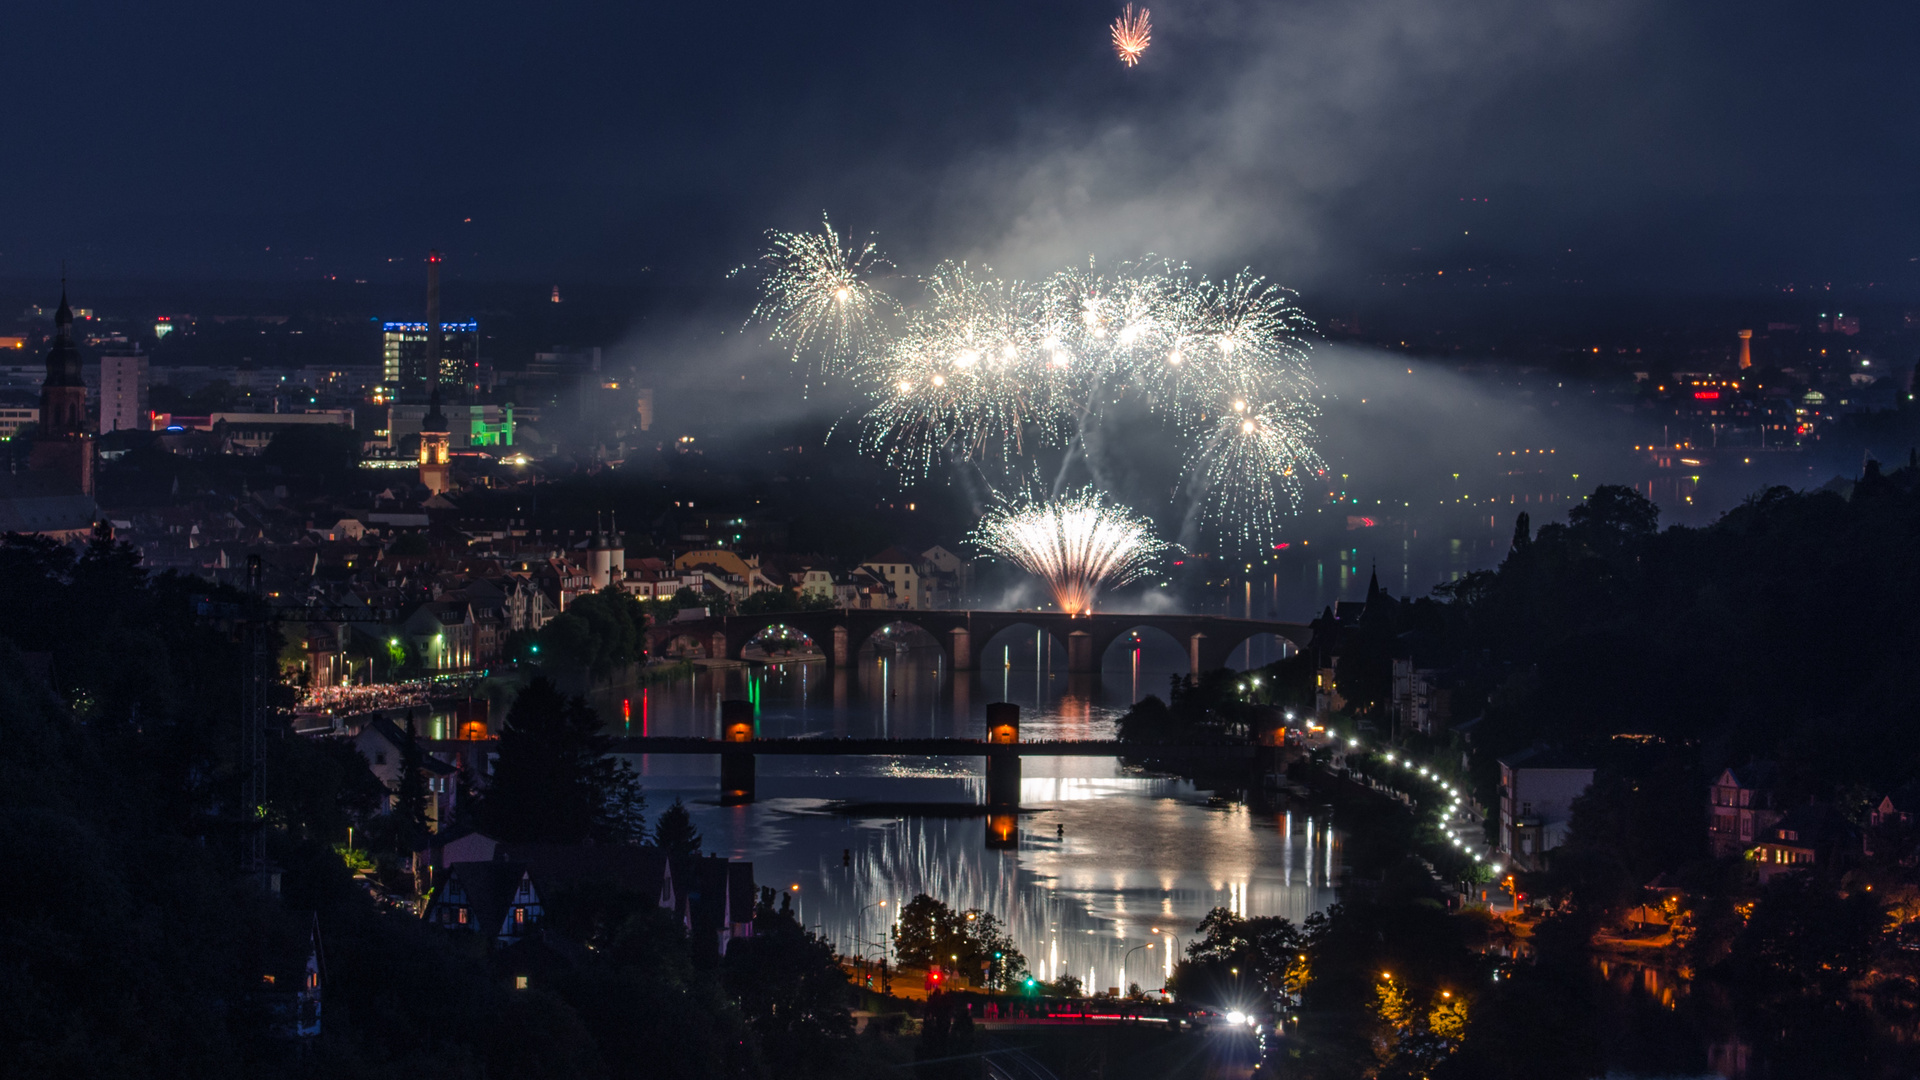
[930,933]
[674,833]
[413,797]
[624,809]
[1614,510]
[550,783]
[1267,952]
[793,993]
[599,632]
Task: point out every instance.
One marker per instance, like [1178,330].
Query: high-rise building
[123,392]
[419,356]
[407,373]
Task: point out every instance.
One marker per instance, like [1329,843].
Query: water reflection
[1106,861]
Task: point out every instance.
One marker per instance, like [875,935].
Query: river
[1113,871]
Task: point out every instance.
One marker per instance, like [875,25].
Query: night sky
[1716,146]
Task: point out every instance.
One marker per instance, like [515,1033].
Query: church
[54,496]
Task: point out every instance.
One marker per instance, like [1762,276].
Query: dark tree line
[135,943]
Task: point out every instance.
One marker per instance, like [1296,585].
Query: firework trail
[1132,34]
[1076,543]
[816,295]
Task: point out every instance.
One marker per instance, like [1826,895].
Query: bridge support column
[1193,653]
[839,651]
[962,649]
[717,646]
[1080,658]
[736,763]
[1003,776]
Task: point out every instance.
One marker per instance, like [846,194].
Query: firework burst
[985,372]
[1132,34]
[817,297]
[1252,465]
[1078,544]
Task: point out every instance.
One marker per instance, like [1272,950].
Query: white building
[123,392]
[1537,789]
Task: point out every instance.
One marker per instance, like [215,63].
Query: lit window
[519,982]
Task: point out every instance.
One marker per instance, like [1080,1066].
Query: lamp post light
[1129,955]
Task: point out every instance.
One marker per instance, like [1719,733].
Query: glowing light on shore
[1078,544]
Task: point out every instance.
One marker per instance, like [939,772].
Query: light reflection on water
[1105,856]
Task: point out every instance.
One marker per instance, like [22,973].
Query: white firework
[1078,544]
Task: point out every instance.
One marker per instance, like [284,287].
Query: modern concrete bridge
[738,748]
[1208,639]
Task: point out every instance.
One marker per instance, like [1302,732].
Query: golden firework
[1132,34]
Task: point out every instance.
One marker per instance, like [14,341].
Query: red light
[1281,547]
[1366,522]
[1179,562]
[1706,395]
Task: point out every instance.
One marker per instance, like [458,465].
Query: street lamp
[1129,956]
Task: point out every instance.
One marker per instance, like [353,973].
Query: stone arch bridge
[1209,639]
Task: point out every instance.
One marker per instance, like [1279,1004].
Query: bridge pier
[736,763]
[1080,658]
[962,649]
[839,652]
[1193,654]
[1003,776]
[717,646]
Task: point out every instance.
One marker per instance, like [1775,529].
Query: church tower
[63,447]
[434,451]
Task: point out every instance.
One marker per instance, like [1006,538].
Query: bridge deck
[664,744]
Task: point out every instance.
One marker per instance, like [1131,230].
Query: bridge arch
[1161,641]
[879,632]
[781,641]
[1245,648]
[1001,643]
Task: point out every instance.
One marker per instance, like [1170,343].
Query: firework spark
[1252,466]
[1132,34]
[817,297]
[1077,544]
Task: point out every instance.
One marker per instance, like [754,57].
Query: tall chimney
[435,347]
[1746,349]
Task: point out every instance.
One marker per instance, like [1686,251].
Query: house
[495,899]
[1537,789]
[957,573]
[292,982]
[1803,838]
[1891,823]
[717,901]
[385,746]
[436,851]
[1422,699]
[442,634]
[642,871]
[1740,808]
[902,574]
[1326,690]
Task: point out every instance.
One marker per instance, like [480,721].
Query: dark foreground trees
[554,781]
[135,943]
